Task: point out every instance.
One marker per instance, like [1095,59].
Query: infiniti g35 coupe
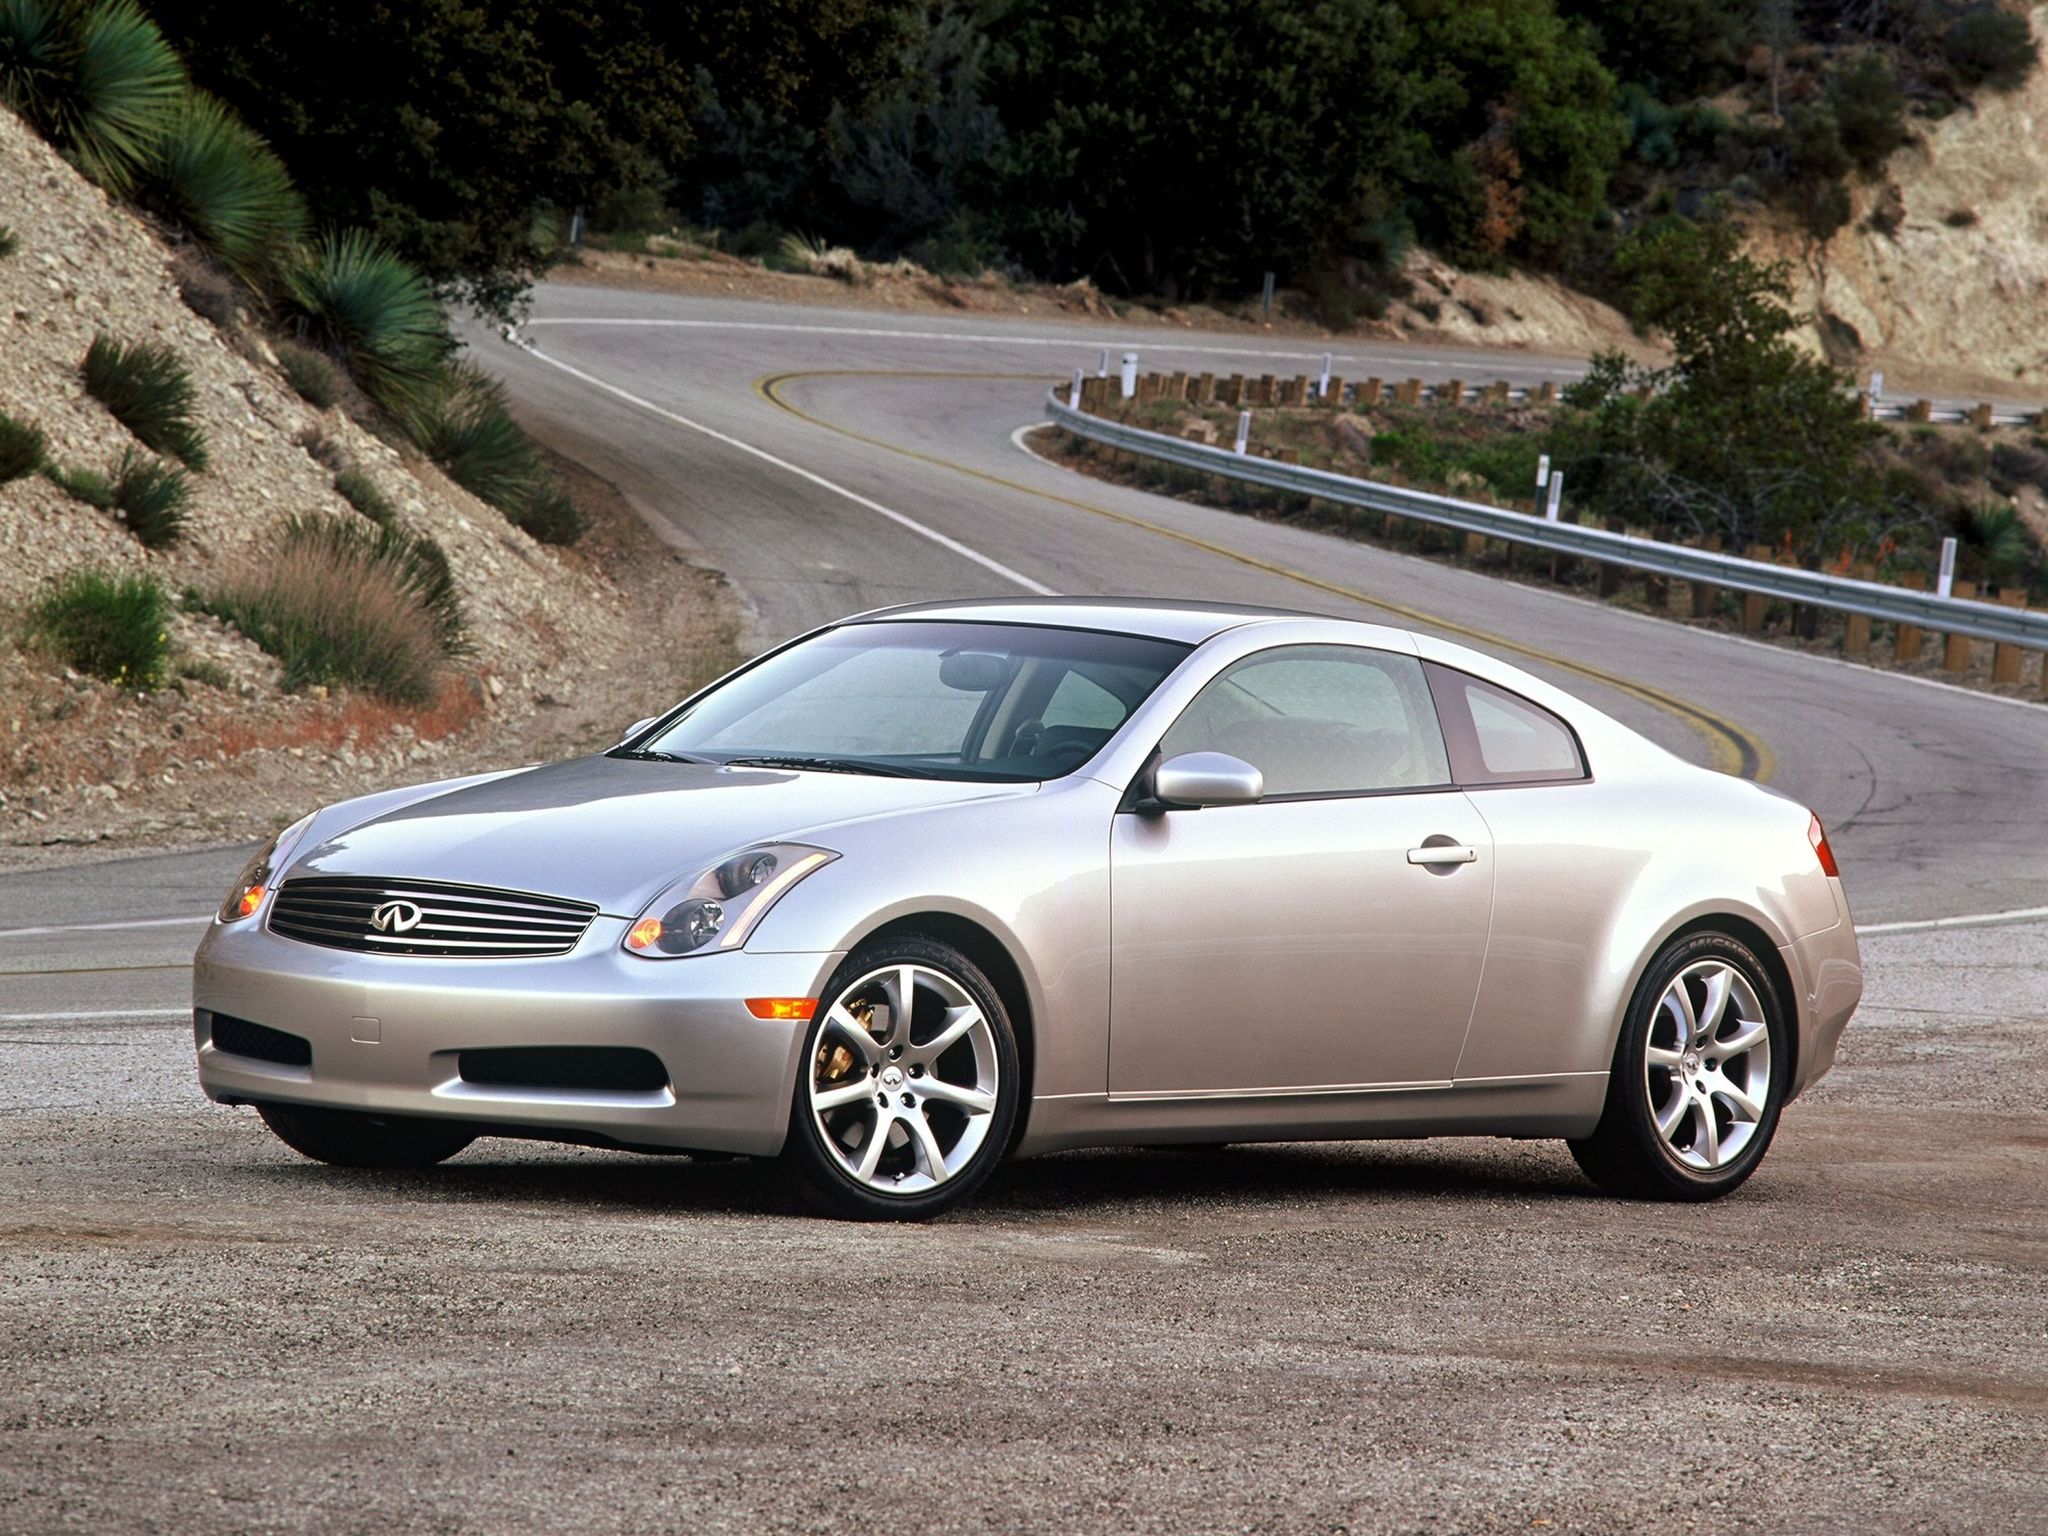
[940,885]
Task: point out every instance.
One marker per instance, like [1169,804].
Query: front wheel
[351,1139]
[909,1087]
[1698,1076]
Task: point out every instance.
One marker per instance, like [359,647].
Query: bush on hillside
[464,427]
[360,492]
[149,391]
[550,515]
[312,377]
[111,627]
[8,243]
[1990,46]
[151,497]
[95,78]
[86,485]
[373,311]
[1869,109]
[21,448]
[217,178]
[340,603]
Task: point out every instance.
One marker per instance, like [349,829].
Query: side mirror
[1196,779]
[637,727]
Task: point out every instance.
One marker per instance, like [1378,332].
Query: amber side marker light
[252,898]
[1817,835]
[799,1008]
[644,934]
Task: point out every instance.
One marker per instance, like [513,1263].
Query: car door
[1331,935]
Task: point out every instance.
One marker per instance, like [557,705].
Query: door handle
[1446,853]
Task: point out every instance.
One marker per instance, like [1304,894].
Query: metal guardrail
[1884,410]
[1822,589]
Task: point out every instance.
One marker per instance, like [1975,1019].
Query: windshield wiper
[829,765]
[650,755]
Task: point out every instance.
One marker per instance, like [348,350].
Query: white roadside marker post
[1130,375]
[1945,583]
[1074,395]
[1244,431]
[1542,474]
[1556,495]
[1323,388]
[1102,367]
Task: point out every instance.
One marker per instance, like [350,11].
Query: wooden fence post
[1753,603]
[1408,392]
[1856,634]
[1336,395]
[1205,389]
[1264,396]
[1906,642]
[1704,593]
[1451,392]
[1369,394]
[2007,659]
[1657,588]
[1955,656]
[1610,575]
[1544,394]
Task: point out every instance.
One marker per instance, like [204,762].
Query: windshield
[1011,702]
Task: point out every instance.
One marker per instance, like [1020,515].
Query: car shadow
[1095,1182]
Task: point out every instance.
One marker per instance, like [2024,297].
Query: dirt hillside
[82,761]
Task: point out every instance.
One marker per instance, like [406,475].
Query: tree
[443,125]
[1675,48]
[1511,75]
[1187,146]
[1743,434]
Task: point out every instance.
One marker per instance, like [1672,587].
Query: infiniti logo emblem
[395,917]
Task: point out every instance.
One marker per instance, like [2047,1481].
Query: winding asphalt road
[198,1330]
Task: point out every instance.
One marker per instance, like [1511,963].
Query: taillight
[1817,835]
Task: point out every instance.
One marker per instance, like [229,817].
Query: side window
[1498,737]
[1320,720]
[1076,701]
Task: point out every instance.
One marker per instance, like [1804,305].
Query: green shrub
[8,243]
[337,602]
[149,391]
[86,485]
[150,496]
[1991,46]
[312,377]
[96,79]
[374,311]
[1869,109]
[465,428]
[214,175]
[550,516]
[361,492]
[111,627]
[21,448]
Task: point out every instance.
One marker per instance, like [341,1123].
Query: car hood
[615,831]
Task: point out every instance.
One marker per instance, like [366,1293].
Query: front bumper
[386,1032]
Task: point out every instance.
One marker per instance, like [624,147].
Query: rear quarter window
[1499,737]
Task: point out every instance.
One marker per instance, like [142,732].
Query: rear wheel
[352,1139]
[1698,1076]
[909,1085]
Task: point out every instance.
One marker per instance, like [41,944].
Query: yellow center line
[1731,748]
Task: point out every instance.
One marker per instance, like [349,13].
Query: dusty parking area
[198,1331]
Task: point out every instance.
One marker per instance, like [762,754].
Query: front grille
[613,1069]
[454,921]
[239,1037]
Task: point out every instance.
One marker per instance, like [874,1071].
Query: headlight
[253,884]
[719,908]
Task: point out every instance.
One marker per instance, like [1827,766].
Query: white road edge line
[1662,622]
[96,1013]
[1972,920]
[923,531]
[140,922]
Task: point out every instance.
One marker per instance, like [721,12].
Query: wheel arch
[1758,939]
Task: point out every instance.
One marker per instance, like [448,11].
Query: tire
[896,1123]
[350,1139]
[1653,1141]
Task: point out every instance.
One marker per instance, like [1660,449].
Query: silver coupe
[940,885]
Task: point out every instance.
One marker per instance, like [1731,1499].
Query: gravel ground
[198,1330]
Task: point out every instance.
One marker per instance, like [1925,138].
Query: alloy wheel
[1707,1065]
[904,1079]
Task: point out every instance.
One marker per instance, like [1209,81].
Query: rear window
[1498,737]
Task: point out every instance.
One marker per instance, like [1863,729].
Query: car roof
[1160,618]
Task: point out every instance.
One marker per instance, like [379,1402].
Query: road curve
[830,461]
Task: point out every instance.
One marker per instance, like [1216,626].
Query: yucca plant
[150,496]
[312,377]
[214,175]
[375,312]
[360,492]
[96,79]
[464,427]
[112,627]
[86,485]
[550,515]
[149,391]
[21,448]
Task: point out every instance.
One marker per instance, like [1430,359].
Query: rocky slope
[83,761]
